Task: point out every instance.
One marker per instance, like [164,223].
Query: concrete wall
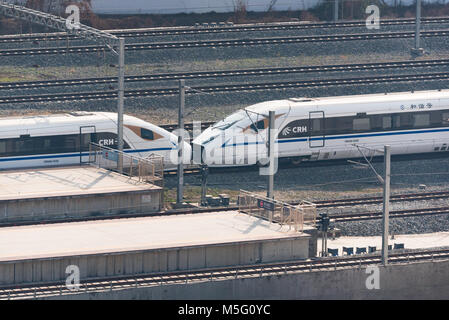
[162,260]
[81,205]
[427,280]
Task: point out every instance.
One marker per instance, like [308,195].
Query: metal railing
[149,169]
[277,211]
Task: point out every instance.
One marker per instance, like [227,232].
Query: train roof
[78,116]
[282,105]
[75,119]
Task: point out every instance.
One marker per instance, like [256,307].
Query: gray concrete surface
[425,280]
[142,245]
[73,192]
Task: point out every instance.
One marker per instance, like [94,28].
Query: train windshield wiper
[225,126]
[253,124]
[229,121]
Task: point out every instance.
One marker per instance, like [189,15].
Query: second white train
[313,129]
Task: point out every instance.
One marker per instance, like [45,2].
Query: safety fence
[149,169]
[277,211]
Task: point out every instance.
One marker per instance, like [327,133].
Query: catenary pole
[180,189]
[335,10]
[386,204]
[121,100]
[417,50]
[271,148]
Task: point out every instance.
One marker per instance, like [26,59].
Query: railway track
[377,200]
[30,291]
[224,43]
[220,28]
[229,88]
[349,217]
[229,73]
[341,217]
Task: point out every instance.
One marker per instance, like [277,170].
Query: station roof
[133,234]
[67,181]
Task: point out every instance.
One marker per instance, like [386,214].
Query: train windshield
[254,122]
[230,121]
[246,120]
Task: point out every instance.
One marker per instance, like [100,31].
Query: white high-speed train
[331,128]
[63,139]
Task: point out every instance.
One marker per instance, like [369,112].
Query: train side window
[317,125]
[57,144]
[421,120]
[343,125]
[376,122]
[53,144]
[24,146]
[10,143]
[396,121]
[435,118]
[42,145]
[259,125]
[146,134]
[46,143]
[386,122]
[330,125]
[361,124]
[380,122]
[406,120]
[445,118]
[70,145]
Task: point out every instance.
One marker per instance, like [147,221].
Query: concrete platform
[72,192]
[143,245]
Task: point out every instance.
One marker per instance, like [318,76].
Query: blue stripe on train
[347,136]
[73,155]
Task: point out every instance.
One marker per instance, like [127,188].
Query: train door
[87,134]
[316,129]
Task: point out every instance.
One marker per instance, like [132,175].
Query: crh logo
[286,131]
[299,129]
[107,142]
[302,129]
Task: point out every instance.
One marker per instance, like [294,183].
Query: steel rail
[340,217]
[358,216]
[142,93]
[28,291]
[210,29]
[228,73]
[225,43]
[375,200]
